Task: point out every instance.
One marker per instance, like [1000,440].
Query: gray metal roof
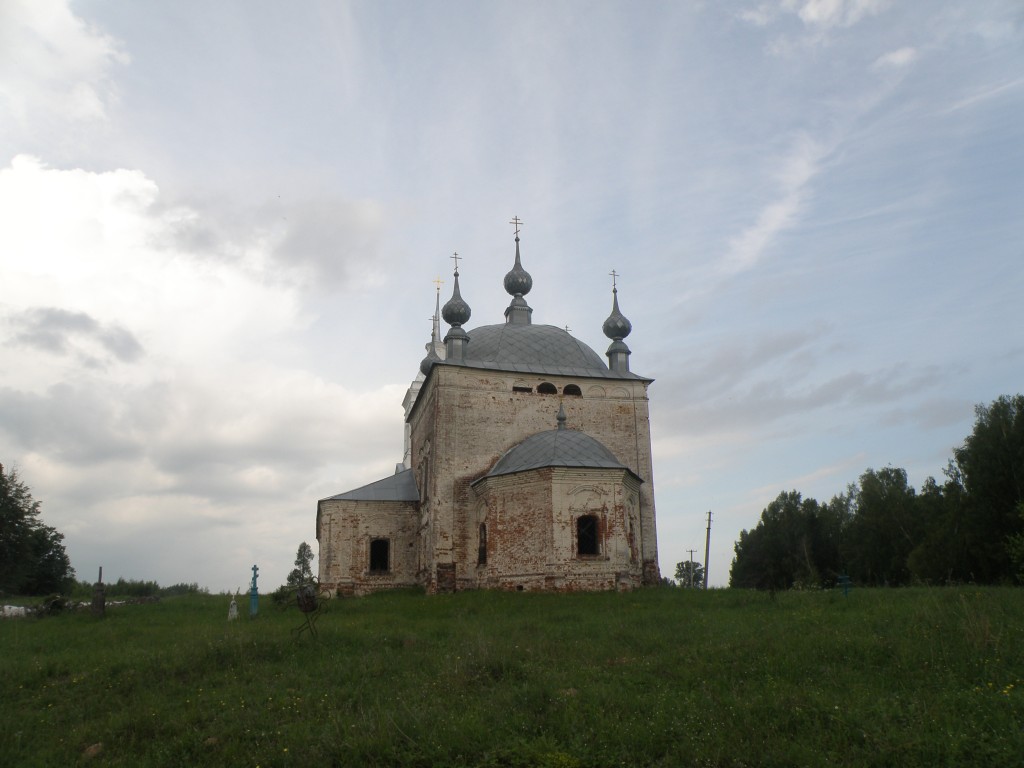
[399,487]
[535,349]
[556,448]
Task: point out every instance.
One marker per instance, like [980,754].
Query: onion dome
[427,362]
[518,281]
[456,312]
[616,327]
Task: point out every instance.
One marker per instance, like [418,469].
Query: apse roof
[556,448]
[399,487]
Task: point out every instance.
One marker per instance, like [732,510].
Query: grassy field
[661,677]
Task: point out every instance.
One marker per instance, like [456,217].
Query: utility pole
[689,567]
[707,550]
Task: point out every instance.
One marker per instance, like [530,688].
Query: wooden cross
[518,223]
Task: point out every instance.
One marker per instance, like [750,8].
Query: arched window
[380,556]
[481,557]
[547,388]
[572,389]
[586,535]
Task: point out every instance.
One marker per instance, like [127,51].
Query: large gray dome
[532,348]
[556,448]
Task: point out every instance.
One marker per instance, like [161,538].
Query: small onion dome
[616,327]
[456,312]
[518,281]
[428,362]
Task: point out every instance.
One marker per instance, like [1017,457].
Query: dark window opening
[572,389]
[380,554]
[481,558]
[586,535]
[522,389]
[547,389]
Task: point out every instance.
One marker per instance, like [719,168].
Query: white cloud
[826,14]
[760,16]
[93,243]
[53,64]
[820,20]
[896,59]
[795,173]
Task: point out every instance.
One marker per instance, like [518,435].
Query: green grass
[662,677]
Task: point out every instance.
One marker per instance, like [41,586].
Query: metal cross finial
[438,282]
[614,275]
[456,256]
[518,223]
[568,329]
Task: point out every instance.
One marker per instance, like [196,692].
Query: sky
[220,225]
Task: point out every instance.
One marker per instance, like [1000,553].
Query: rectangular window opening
[586,535]
[380,556]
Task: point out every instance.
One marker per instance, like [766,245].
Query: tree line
[881,531]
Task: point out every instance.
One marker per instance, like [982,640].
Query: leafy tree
[796,542]
[990,466]
[940,557]
[33,560]
[830,527]
[690,574]
[887,525]
[303,571]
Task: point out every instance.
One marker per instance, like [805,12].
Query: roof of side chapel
[561,447]
[399,487]
[556,448]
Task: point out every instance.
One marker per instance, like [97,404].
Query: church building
[527,466]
